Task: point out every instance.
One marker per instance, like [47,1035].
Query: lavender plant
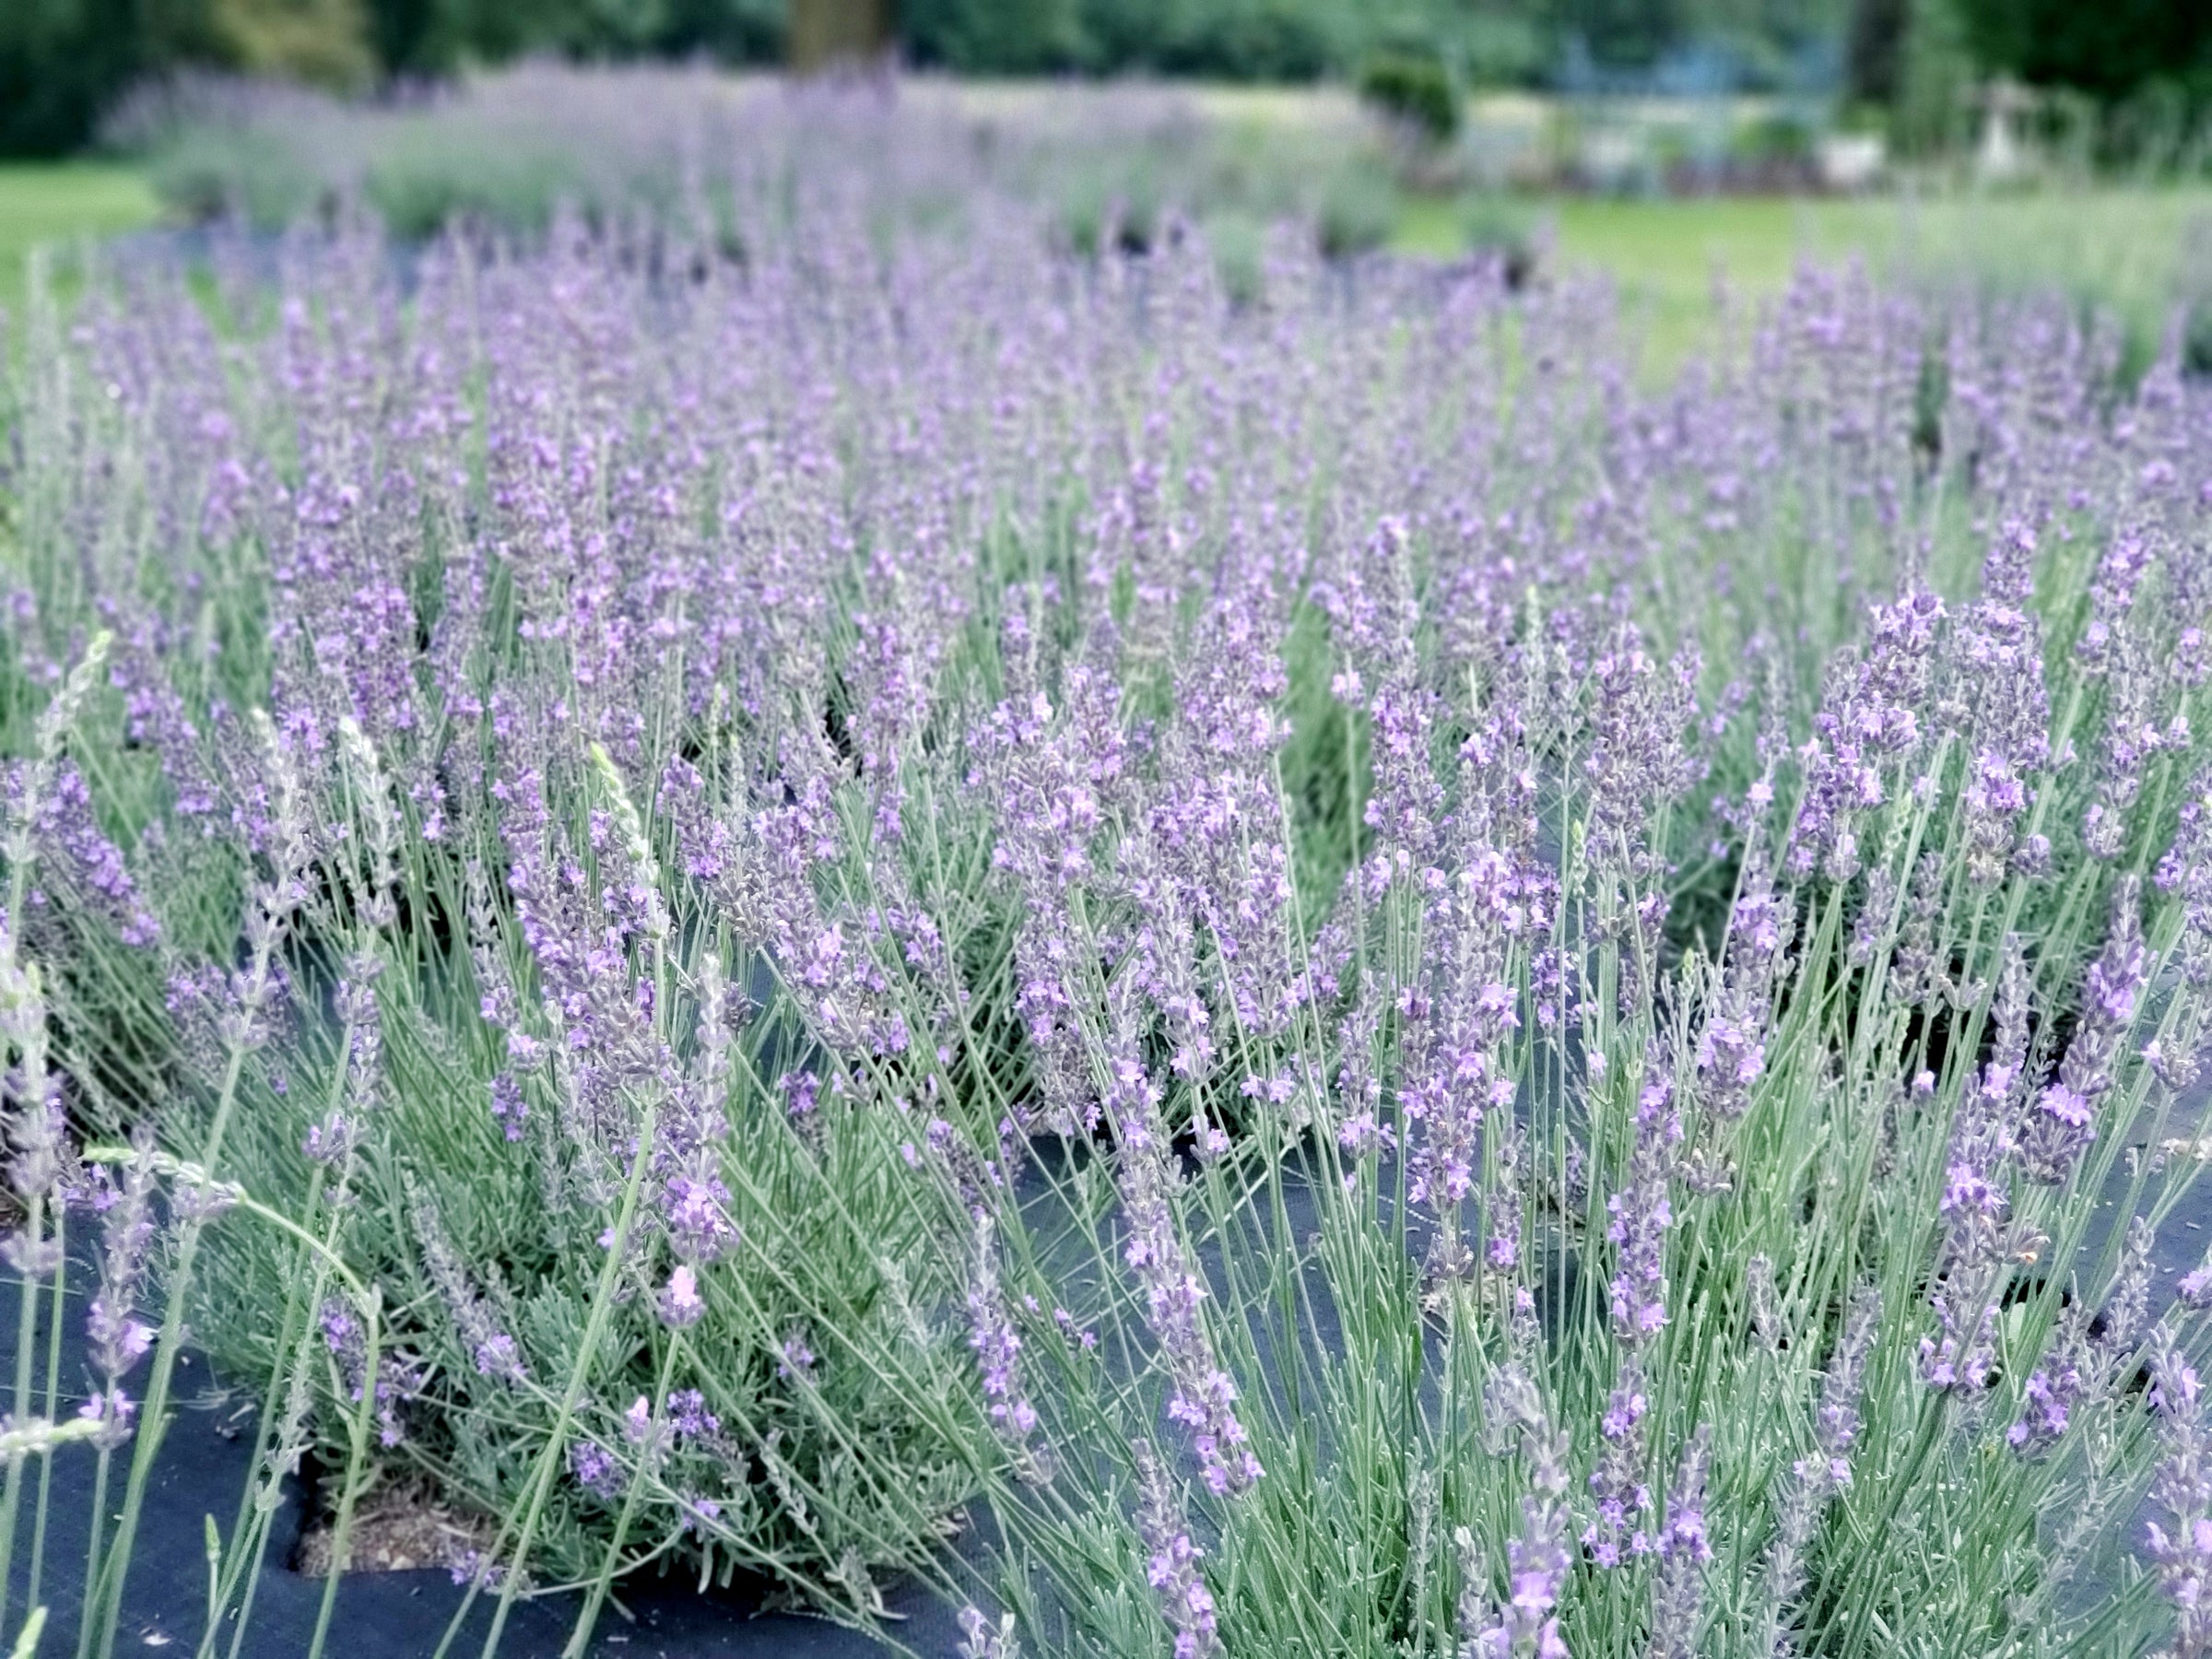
[1396,997]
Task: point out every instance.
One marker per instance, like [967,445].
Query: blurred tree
[326,42]
[2110,48]
[730,32]
[1874,53]
[407,35]
[1413,90]
[1935,72]
[1498,42]
[1622,34]
[824,32]
[995,36]
[62,62]
[1227,39]
[435,37]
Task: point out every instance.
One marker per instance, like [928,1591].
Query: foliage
[2108,52]
[507,150]
[1414,91]
[727,877]
[320,42]
[65,61]
[62,62]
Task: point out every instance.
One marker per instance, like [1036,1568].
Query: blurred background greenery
[2009,144]
[2144,66]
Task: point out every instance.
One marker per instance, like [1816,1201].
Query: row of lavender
[1398,998]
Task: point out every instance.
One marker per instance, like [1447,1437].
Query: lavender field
[816,888]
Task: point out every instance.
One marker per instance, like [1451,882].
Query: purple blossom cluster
[1975,1206]
[1524,1621]
[762,776]
[1684,1550]
[1205,1395]
[118,1340]
[2061,1122]
[997,1346]
[2090,1353]
[1171,1566]
[1815,1480]
[74,853]
[2181,1545]
[1867,729]
[1641,1212]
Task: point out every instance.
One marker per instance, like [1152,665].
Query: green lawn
[58,202]
[2133,251]
[2128,249]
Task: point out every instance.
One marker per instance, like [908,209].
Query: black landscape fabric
[202,1468]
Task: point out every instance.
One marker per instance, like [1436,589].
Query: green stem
[595,1330]
[27,1345]
[582,1635]
[53,1396]
[249,1530]
[88,1614]
[109,1593]
[341,1530]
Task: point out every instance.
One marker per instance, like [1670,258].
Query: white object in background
[1850,160]
[1612,157]
[2001,156]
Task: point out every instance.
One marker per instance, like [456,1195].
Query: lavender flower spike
[1526,1621]
[1816,1479]
[980,1638]
[997,1346]
[2061,1122]
[1173,1570]
[2180,1549]
[1677,1592]
[1205,1397]
[1617,1484]
[118,1339]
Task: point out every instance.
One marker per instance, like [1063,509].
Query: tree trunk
[826,33]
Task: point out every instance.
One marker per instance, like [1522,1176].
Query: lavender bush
[692,145]
[1394,997]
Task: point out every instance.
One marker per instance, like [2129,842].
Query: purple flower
[1204,1397]
[474,1567]
[1525,1620]
[1816,1479]
[388,1378]
[596,1467]
[1678,1590]
[697,1211]
[2091,1351]
[1173,1567]
[688,1413]
[2181,1547]
[1997,693]
[1868,722]
[1975,1204]
[2061,1123]
[509,1109]
[2195,1288]
[74,852]
[118,1340]
[997,1348]
[1617,1484]
[680,1303]
[980,1638]
[489,1341]
[1641,1212]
